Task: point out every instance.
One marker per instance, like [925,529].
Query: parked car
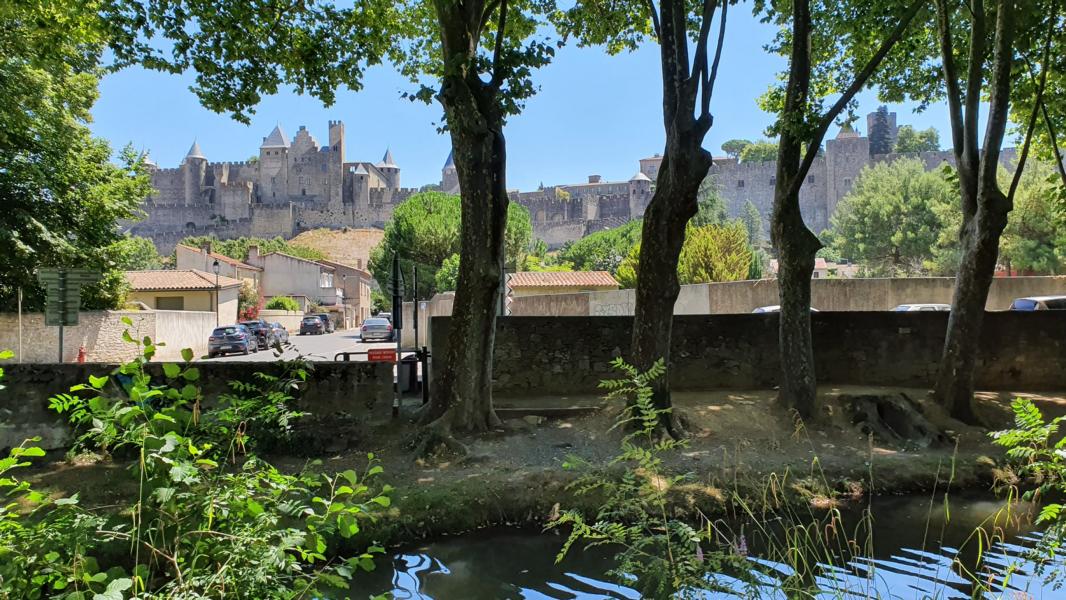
[773,308]
[1039,303]
[231,338]
[376,328]
[327,321]
[922,307]
[312,325]
[384,315]
[263,331]
[280,333]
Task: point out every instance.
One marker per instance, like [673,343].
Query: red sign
[381,355]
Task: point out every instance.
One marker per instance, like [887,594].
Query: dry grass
[348,246]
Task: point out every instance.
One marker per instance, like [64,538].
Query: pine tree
[880,137]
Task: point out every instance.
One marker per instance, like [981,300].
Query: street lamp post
[214,267]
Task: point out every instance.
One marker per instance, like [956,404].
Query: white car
[921,307]
[774,308]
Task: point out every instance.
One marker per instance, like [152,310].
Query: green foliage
[283,303]
[659,555]
[448,276]
[909,139]
[889,220]
[134,253]
[753,223]
[711,205]
[734,147]
[63,197]
[248,301]
[210,520]
[764,151]
[425,229]
[238,247]
[1034,241]
[710,254]
[603,250]
[1038,450]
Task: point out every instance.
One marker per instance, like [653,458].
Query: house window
[815,276]
[303,192]
[170,303]
[847,181]
[773,181]
[740,183]
[810,179]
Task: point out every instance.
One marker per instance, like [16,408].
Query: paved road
[315,347]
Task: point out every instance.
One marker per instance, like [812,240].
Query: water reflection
[916,555]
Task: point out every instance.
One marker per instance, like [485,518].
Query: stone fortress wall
[298,185]
[293,186]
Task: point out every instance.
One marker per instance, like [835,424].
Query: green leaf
[114,589]
[191,374]
[6,354]
[186,354]
[127,322]
[126,337]
[171,370]
[98,383]
[382,500]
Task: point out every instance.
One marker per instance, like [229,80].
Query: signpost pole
[20,324]
[397,327]
[62,307]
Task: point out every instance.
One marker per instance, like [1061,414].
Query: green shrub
[210,520]
[283,303]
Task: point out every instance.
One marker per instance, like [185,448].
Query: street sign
[381,355]
[62,289]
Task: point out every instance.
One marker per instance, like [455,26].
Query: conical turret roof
[361,170]
[194,151]
[276,139]
[450,163]
[386,161]
[640,176]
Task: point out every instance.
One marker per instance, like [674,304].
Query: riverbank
[741,446]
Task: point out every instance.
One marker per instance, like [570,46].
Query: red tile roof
[187,279]
[574,279]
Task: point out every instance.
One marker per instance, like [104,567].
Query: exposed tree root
[893,418]
[436,442]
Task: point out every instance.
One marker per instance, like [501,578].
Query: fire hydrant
[81,354]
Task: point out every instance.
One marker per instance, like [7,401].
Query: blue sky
[594,114]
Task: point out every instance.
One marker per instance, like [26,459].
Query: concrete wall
[196,301]
[289,319]
[100,333]
[332,388]
[741,297]
[570,355]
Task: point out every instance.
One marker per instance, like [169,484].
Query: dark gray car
[231,338]
[376,329]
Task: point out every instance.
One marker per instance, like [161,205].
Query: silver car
[376,328]
[922,308]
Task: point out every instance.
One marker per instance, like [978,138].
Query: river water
[916,548]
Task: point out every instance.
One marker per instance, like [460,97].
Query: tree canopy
[238,247]
[711,253]
[734,147]
[888,221]
[63,197]
[763,151]
[911,140]
[424,230]
[603,250]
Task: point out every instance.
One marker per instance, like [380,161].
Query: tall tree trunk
[984,205]
[675,201]
[662,236]
[958,363]
[797,246]
[795,243]
[462,396]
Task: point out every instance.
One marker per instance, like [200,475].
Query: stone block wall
[100,333]
[332,389]
[571,355]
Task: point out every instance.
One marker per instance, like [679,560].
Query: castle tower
[845,157]
[361,187]
[274,167]
[449,176]
[195,169]
[149,164]
[389,169]
[639,194]
[336,164]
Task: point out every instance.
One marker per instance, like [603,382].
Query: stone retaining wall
[332,388]
[570,355]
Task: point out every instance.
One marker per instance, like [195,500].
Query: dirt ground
[741,443]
